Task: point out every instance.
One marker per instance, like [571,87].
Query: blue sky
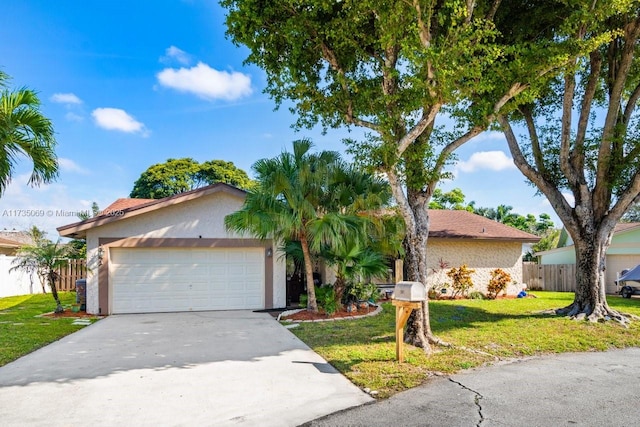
[129,84]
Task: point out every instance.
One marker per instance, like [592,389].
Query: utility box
[81,293]
[410,291]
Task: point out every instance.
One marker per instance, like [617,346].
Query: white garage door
[193,279]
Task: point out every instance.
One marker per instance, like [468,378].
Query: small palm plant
[44,258]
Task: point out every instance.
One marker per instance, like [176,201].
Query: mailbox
[410,291]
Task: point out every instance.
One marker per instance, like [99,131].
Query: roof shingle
[467,225]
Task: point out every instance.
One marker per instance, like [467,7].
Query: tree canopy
[176,176]
[392,67]
[582,139]
[25,131]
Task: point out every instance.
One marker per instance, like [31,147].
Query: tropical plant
[44,258]
[461,280]
[25,131]
[362,291]
[289,204]
[499,281]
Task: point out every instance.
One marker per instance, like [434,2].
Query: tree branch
[585,109]
[401,199]
[574,177]
[602,190]
[330,56]
[631,105]
[552,193]
[629,196]
[492,11]
[538,157]
[427,118]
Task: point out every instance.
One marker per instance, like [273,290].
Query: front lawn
[21,332]
[364,350]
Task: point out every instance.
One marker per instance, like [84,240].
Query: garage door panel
[172,279]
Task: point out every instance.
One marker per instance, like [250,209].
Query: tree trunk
[54,291]
[339,287]
[418,330]
[590,301]
[312,304]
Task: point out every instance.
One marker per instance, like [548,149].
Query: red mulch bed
[340,314]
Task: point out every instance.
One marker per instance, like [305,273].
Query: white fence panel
[16,282]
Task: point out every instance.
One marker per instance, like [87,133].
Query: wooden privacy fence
[559,277]
[74,270]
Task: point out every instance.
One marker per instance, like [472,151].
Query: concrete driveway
[205,368]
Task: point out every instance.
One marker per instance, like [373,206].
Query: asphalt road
[581,389]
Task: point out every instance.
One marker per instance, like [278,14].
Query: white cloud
[69,165]
[486,160]
[73,117]
[117,119]
[173,53]
[65,98]
[206,82]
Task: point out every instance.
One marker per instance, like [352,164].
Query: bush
[477,295]
[325,297]
[355,292]
[461,278]
[500,279]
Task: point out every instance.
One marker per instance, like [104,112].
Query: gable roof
[6,243]
[458,224]
[621,227]
[125,203]
[128,208]
[18,237]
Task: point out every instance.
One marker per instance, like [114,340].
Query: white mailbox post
[407,296]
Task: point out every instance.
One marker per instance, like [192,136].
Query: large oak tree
[582,139]
[391,67]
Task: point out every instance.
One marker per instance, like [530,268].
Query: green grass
[22,332]
[364,349]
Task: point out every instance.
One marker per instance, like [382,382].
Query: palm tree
[24,131]
[292,203]
[44,258]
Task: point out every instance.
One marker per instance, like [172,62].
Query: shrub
[500,279]
[461,278]
[325,297]
[477,295]
[355,292]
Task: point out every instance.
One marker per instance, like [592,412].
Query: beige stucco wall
[480,255]
[200,217]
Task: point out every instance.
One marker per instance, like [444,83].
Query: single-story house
[459,237]
[9,247]
[622,254]
[174,254]
[12,240]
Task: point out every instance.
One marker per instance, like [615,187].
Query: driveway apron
[204,368]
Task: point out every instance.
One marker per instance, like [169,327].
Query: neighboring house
[174,254]
[459,237]
[9,247]
[622,254]
[12,240]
